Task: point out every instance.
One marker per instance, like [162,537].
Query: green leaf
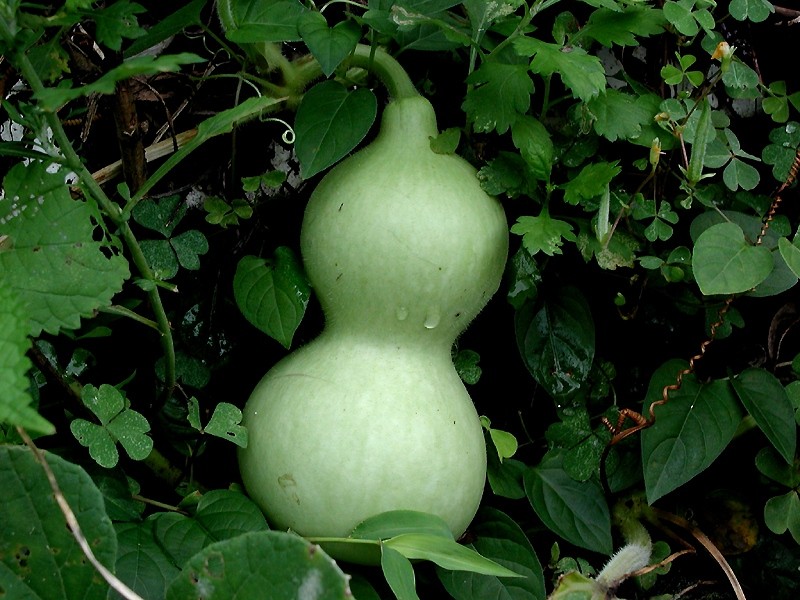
[781,152]
[582,74]
[182,18]
[500,94]
[574,510]
[766,400]
[446,553]
[466,364]
[739,175]
[160,214]
[770,464]
[753,10]
[397,522]
[219,515]
[272,295]
[141,562]
[543,234]
[782,513]
[692,429]
[790,253]
[591,182]
[118,423]
[329,45]
[331,121]
[447,141]
[51,99]
[39,557]
[228,569]
[619,115]
[225,423]
[15,399]
[161,257]
[534,144]
[556,340]
[621,27]
[117,22]
[399,574]
[704,132]
[499,538]
[55,256]
[724,262]
[188,247]
[264,21]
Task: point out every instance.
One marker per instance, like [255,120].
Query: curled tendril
[288,135]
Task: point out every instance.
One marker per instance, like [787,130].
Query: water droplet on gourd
[431,320]
[402,313]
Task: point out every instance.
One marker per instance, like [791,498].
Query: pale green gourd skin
[403,249]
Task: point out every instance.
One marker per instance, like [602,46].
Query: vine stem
[72,522]
[386,68]
[74,163]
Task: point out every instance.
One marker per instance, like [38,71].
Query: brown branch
[129,136]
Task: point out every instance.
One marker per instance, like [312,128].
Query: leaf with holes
[272,295]
[724,262]
[224,570]
[693,428]
[55,254]
[330,122]
[39,557]
[225,423]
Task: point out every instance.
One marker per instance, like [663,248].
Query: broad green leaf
[272,295]
[235,568]
[753,10]
[770,464]
[188,247]
[160,214]
[330,122]
[505,478]
[117,22]
[543,233]
[725,263]
[161,258]
[740,76]
[39,557]
[446,553]
[525,278]
[500,93]
[501,539]
[15,399]
[329,45]
[791,254]
[591,182]
[740,175]
[225,422]
[56,257]
[782,513]
[534,144]
[582,74]
[219,515]
[622,27]
[619,115]
[557,340]
[399,574]
[574,510]
[575,586]
[582,445]
[764,397]
[447,141]
[258,22]
[691,431]
[141,562]
[508,174]
[396,522]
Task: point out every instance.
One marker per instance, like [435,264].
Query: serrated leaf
[224,570]
[764,397]
[534,144]
[39,557]
[693,428]
[225,423]
[725,263]
[117,22]
[329,45]
[219,515]
[447,141]
[557,340]
[582,74]
[590,182]
[576,511]
[15,399]
[543,233]
[618,115]
[50,256]
[446,553]
[501,93]
[499,538]
[330,122]
[272,295]
[621,27]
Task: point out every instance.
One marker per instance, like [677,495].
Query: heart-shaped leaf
[225,423]
[160,214]
[189,246]
[329,45]
[724,262]
[330,122]
[272,295]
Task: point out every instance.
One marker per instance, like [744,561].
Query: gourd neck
[386,68]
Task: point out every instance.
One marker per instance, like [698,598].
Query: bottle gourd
[403,249]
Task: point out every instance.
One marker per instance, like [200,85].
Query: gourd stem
[386,68]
